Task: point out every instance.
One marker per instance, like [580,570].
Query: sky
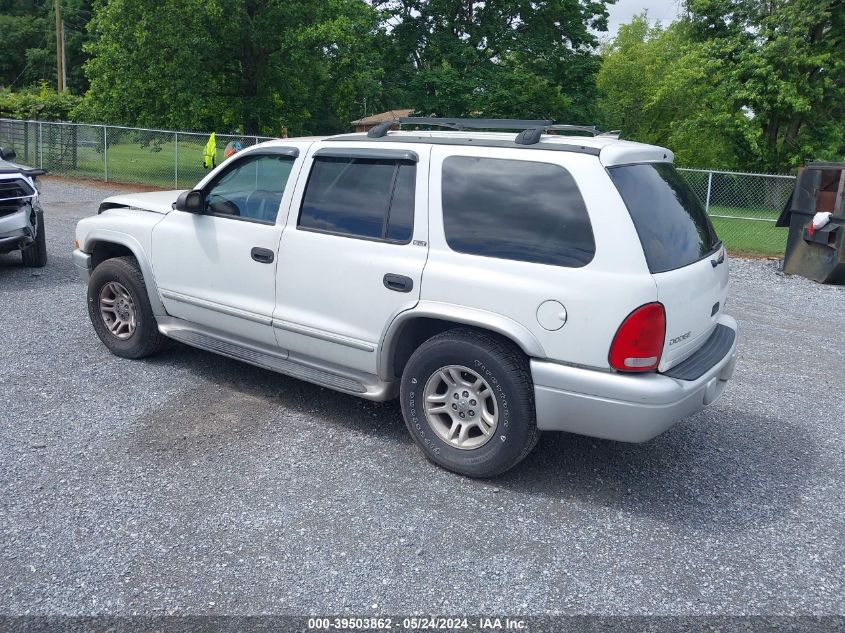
[620,13]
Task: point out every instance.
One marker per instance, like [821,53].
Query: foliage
[253,65]
[308,66]
[505,58]
[737,83]
[28,42]
[38,103]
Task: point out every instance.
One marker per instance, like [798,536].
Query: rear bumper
[623,407]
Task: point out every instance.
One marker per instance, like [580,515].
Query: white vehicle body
[324,311]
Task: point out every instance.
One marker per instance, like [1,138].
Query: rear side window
[673,226]
[512,209]
[358,197]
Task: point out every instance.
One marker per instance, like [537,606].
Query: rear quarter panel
[597,297]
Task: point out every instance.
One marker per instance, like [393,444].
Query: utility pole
[60,84]
[64,58]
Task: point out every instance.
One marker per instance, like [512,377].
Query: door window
[250,189]
[360,197]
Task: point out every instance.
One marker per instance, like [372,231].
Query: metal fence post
[26,141]
[105,154]
[176,159]
[40,147]
[709,188]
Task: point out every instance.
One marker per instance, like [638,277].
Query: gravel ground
[193,484]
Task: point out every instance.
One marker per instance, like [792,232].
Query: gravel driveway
[190,483]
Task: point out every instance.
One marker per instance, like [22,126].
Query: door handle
[262,255]
[399,283]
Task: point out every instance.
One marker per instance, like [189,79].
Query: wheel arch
[104,245]
[410,328]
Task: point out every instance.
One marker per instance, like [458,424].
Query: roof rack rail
[530,130]
[617,134]
[590,129]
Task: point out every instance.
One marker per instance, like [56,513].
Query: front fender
[111,236]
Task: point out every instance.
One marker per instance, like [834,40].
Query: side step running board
[279,361]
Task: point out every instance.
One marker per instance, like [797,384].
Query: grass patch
[129,162]
[749,236]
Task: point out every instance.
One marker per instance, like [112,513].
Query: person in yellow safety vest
[209,156]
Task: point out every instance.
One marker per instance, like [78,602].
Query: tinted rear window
[672,224]
[512,209]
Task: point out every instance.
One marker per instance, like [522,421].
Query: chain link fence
[743,206]
[162,158]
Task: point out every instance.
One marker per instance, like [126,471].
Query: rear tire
[120,309]
[35,255]
[468,402]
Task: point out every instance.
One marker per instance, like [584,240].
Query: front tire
[35,255]
[468,402]
[120,309]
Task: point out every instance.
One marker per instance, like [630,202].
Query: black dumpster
[817,254]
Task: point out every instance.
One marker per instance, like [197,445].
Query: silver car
[21,216]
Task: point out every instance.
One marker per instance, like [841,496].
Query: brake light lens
[638,344]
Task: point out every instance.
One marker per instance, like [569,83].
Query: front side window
[360,197]
[251,188]
[513,209]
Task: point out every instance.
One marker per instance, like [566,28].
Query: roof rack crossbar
[476,124]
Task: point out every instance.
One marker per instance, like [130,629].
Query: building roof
[390,115]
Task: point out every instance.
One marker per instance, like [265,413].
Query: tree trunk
[771,133]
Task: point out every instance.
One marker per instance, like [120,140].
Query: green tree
[28,42]
[735,84]
[500,58]
[655,88]
[150,63]
[252,65]
[785,63]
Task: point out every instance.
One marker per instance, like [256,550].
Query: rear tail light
[638,343]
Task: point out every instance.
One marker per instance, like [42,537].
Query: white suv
[500,285]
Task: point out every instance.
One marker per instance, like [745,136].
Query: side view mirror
[7,153]
[190,202]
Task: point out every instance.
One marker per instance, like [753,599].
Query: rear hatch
[685,257]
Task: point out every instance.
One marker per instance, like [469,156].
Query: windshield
[673,226]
